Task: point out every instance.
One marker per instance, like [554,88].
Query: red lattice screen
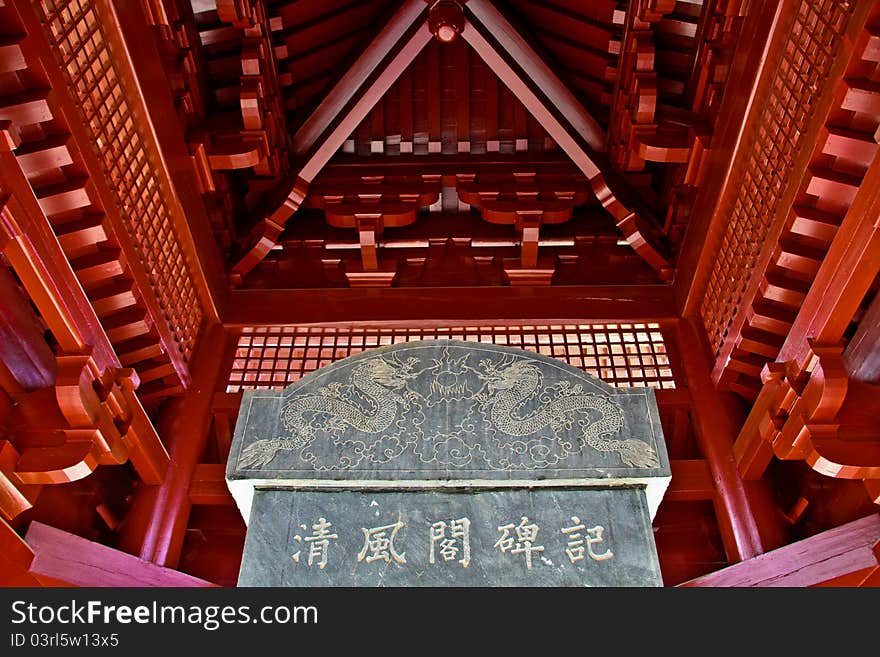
[806,60]
[625,355]
[75,32]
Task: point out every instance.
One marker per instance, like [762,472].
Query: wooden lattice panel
[624,355]
[76,34]
[809,51]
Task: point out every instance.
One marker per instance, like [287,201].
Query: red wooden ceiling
[448,104]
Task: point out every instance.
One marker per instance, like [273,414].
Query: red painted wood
[739,511]
[66,557]
[724,173]
[23,348]
[862,354]
[272,307]
[809,562]
[157,522]
[691,481]
[38,49]
[208,485]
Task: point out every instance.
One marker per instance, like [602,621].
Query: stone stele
[440,431]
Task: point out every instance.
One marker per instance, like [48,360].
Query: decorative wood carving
[811,412]
[790,198]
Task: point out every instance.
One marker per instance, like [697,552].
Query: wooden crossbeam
[831,554]
[596,303]
[571,126]
[63,557]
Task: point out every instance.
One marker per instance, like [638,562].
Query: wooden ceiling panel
[448,101]
[316,41]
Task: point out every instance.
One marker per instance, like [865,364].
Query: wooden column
[156,523]
[746,518]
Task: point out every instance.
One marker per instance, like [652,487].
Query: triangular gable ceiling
[448,101]
[395,48]
[316,41]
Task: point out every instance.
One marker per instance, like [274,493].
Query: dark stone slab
[284,523]
[448,410]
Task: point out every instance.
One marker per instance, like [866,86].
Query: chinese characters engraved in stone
[576,541]
[379,545]
[459,530]
[319,543]
[526,534]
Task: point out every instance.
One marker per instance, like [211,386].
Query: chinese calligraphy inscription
[540,537]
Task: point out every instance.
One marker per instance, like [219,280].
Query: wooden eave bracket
[800,415]
[102,423]
[518,66]
[579,134]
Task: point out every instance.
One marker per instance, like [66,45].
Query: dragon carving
[377,415]
[511,384]
[376,379]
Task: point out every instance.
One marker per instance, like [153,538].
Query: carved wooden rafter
[516,64]
[637,133]
[258,140]
[811,412]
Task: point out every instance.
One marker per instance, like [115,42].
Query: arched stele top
[444,413]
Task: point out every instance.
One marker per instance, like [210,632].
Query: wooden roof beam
[520,68]
[814,560]
[395,47]
[321,305]
[576,131]
[63,557]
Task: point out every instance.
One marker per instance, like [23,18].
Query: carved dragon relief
[505,417]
